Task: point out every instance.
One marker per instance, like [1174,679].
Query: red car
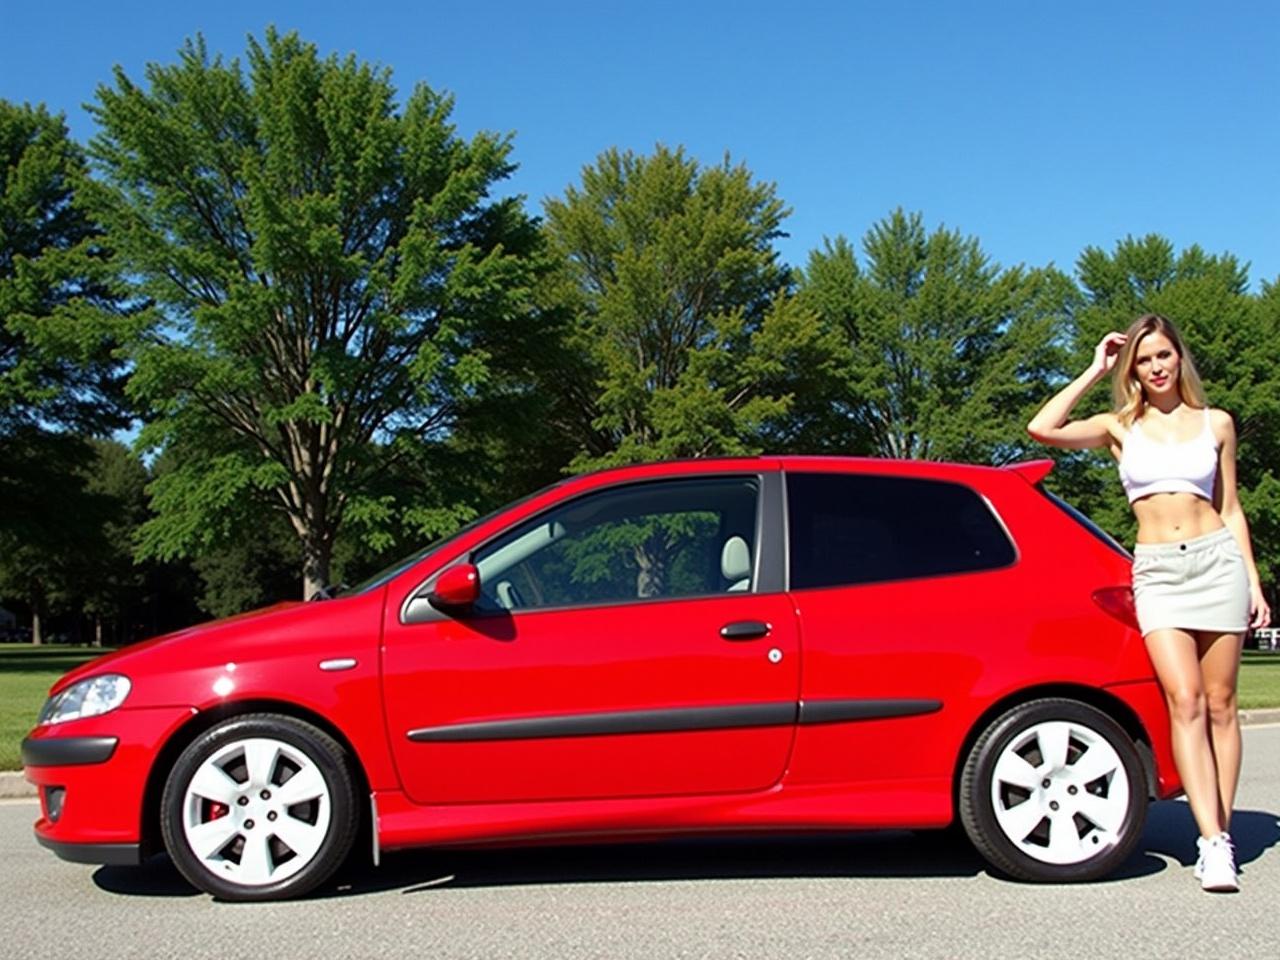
[717,645]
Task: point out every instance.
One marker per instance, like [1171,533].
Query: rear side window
[849,529]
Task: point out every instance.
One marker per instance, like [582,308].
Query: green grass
[1260,679]
[27,672]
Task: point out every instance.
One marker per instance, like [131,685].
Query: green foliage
[942,353]
[68,546]
[324,266]
[246,572]
[681,315]
[55,360]
[56,371]
[112,582]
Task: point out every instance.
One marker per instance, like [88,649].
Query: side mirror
[456,588]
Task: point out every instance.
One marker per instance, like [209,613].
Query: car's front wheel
[1054,791]
[259,807]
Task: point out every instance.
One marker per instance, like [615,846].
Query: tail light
[1118,602]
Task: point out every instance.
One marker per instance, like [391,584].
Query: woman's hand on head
[1107,351]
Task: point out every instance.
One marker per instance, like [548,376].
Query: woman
[1195,583]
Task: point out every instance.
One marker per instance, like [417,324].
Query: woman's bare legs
[1176,656]
[1220,670]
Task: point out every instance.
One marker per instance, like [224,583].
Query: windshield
[387,574]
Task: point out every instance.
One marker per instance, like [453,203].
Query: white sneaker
[1216,865]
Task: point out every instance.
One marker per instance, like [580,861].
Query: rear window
[848,529]
[1085,522]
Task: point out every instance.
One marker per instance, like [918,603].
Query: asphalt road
[867,896]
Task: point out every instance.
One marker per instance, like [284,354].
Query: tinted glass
[638,542]
[846,529]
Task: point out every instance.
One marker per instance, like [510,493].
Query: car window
[849,529]
[645,541]
[389,573]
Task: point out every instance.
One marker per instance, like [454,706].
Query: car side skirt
[912,804]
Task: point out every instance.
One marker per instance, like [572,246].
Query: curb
[13,786]
[1254,717]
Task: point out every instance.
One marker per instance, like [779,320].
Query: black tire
[1067,795]
[245,855]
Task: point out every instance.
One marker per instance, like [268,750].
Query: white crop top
[1149,466]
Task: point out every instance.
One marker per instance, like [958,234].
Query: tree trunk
[317,552]
[97,630]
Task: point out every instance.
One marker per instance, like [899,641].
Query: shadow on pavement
[157,877]
[1170,833]
[878,854]
[882,854]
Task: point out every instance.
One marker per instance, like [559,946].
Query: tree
[51,520]
[684,341]
[56,367]
[109,584]
[944,352]
[321,263]
[57,374]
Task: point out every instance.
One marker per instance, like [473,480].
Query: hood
[120,660]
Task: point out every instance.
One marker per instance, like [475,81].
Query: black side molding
[67,751]
[685,719]
[110,854]
[679,720]
[842,711]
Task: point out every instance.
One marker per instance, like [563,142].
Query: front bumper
[107,854]
[67,751]
[92,776]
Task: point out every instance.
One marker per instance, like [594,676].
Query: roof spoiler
[1033,471]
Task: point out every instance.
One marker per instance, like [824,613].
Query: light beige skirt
[1197,584]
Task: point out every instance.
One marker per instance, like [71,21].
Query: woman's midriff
[1169,517]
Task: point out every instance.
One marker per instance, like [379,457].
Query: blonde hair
[1128,401]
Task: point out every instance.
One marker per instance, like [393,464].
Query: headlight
[88,698]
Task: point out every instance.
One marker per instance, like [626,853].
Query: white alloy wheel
[256,812]
[259,807]
[1060,792]
[1054,791]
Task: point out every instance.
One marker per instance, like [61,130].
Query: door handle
[745,630]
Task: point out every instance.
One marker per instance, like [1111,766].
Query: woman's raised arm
[1051,424]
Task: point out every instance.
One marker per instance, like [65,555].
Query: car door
[628,642]
[901,586]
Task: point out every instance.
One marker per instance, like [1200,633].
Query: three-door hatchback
[705,646]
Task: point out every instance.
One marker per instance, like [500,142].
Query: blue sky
[1038,127]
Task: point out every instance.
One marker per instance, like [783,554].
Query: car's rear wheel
[1054,791]
[259,807]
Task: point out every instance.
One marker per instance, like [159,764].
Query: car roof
[1033,470]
